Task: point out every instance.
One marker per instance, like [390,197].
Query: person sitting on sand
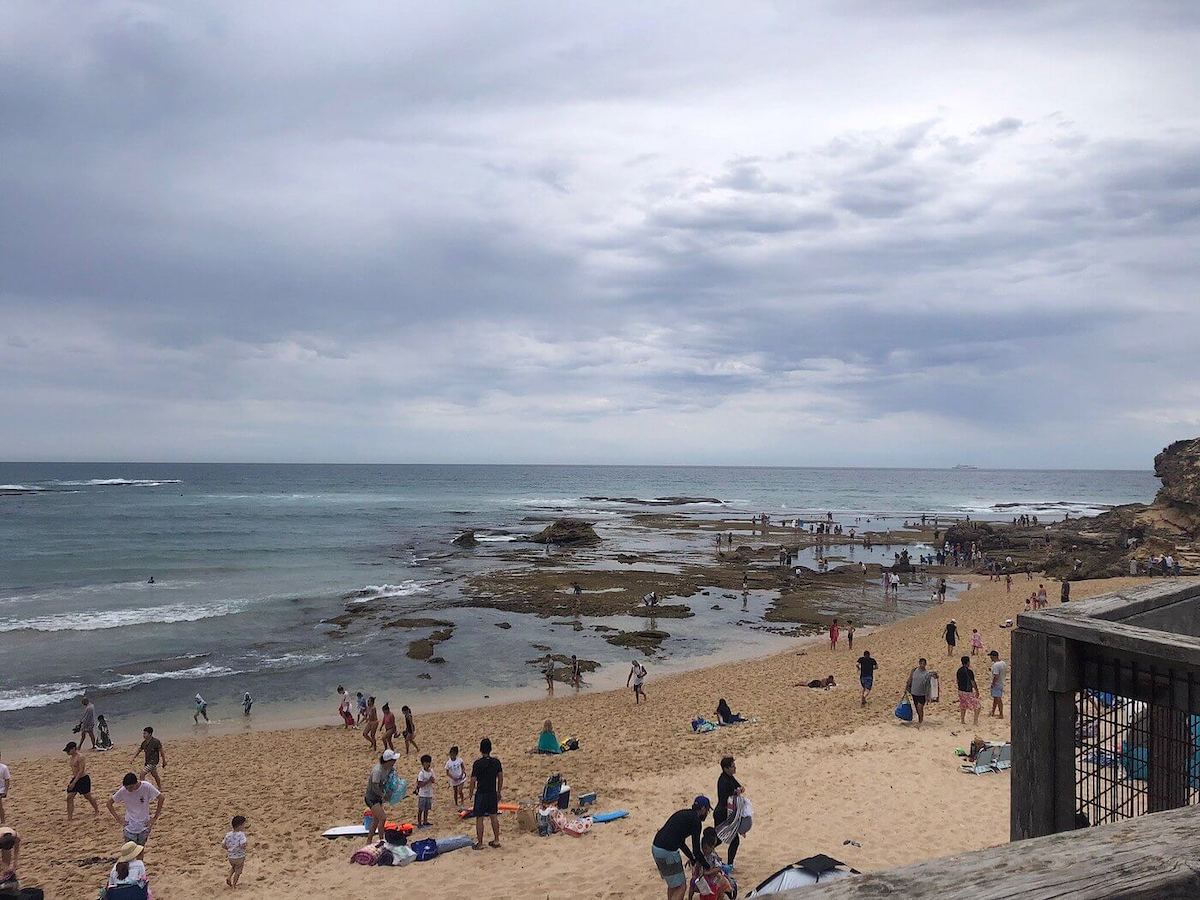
[726,715]
[708,878]
[823,683]
[547,740]
[10,853]
[129,868]
[376,790]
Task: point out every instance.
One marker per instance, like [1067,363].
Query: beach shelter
[810,870]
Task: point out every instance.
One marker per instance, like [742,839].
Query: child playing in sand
[235,849]
[424,791]
[976,641]
[457,774]
[708,878]
[410,731]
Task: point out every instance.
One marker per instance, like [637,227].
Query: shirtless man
[80,783]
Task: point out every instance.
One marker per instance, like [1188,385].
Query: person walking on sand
[849,635]
[637,675]
[728,787]
[200,710]
[153,755]
[976,641]
[548,672]
[235,849]
[834,633]
[866,674]
[136,796]
[576,672]
[362,707]
[87,725]
[80,784]
[968,691]
[999,667]
[389,727]
[5,782]
[376,791]
[410,731]
[372,724]
[487,788]
[344,708]
[457,773]
[950,633]
[917,687]
[672,840]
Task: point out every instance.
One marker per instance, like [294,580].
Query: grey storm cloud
[829,234]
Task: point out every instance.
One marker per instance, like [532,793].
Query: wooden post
[1170,749]
[1031,809]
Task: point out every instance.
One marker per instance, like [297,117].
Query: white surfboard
[346,831]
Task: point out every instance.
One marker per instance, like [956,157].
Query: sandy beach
[820,769]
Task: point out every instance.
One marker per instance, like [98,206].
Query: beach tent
[810,870]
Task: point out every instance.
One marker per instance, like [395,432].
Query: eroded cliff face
[1105,544]
[1178,500]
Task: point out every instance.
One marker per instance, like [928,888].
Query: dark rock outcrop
[466,539]
[1179,497]
[567,533]
[647,641]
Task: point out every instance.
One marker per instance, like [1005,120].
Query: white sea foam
[49,694]
[383,591]
[496,538]
[95,620]
[112,482]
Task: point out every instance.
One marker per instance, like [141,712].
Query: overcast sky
[843,233]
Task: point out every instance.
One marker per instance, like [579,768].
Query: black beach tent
[810,870]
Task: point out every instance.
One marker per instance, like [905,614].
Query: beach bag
[571,744]
[904,710]
[425,849]
[395,790]
[402,854]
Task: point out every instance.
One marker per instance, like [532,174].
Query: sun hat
[390,755]
[129,851]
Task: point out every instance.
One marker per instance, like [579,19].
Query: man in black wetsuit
[671,841]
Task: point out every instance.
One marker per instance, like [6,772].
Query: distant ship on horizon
[961,466]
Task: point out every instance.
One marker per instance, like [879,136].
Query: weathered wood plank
[1162,645]
[1031,810]
[1154,857]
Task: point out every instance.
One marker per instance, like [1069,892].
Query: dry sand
[820,770]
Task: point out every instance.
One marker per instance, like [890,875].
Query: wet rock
[504,625]
[417,623]
[438,660]
[567,533]
[426,676]
[422,648]
[647,641]
[466,539]
[669,611]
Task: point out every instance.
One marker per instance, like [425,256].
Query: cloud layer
[706,234]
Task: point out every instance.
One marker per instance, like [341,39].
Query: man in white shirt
[5,781]
[999,668]
[137,796]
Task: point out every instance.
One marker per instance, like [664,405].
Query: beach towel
[565,824]
[368,855]
[548,743]
[702,726]
[731,827]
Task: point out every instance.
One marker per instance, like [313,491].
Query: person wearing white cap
[129,868]
[951,634]
[200,710]
[377,790]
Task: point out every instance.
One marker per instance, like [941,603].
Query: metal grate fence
[1137,739]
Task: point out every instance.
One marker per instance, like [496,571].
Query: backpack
[424,849]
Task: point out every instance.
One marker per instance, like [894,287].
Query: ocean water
[248,559]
